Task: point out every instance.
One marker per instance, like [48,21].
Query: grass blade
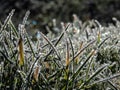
[36,73]
[102,42]
[60,37]
[26,17]
[94,75]
[98,37]
[6,58]
[80,67]
[51,44]
[21,52]
[77,58]
[78,53]
[110,82]
[13,28]
[31,68]
[30,45]
[7,20]
[67,65]
[108,78]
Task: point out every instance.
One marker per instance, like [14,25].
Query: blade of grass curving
[94,75]
[72,49]
[13,28]
[67,57]
[67,52]
[67,63]
[110,82]
[6,58]
[46,81]
[22,75]
[60,37]
[26,17]
[51,41]
[78,53]
[57,63]
[97,72]
[89,67]
[24,22]
[107,78]
[83,26]
[73,53]
[97,23]
[103,42]
[7,42]
[80,67]
[62,34]
[76,73]
[55,74]
[7,20]
[31,69]
[51,44]
[76,60]
[30,45]
[5,48]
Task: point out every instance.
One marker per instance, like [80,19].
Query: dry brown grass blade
[36,73]
[47,66]
[21,52]
[67,55]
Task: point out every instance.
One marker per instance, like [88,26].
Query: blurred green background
[43,11]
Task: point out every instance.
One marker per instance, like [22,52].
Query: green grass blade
[6,58]
[30,45]
[78,53]
[60,37]
[110,82]
[13,28]
[108,78]
[7,20]
[102,42]
[80,67]
[94,75]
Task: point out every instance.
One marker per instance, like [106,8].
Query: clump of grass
[81,56]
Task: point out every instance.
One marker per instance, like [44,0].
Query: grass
[81,56]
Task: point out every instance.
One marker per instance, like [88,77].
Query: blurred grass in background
[43,11]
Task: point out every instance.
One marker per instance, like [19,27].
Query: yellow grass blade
[21,52]
[98,37]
